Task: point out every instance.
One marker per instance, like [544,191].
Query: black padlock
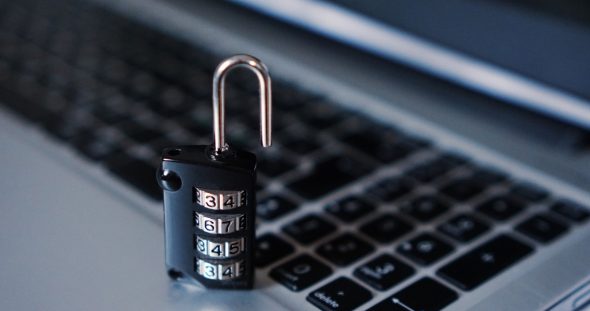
[210,196]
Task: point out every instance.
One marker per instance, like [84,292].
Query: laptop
[426,155]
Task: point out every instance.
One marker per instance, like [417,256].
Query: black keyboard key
[137,173]
[321,115]
[328,175]
[463,228]
[274,164]
[299,143]
[425,295]
[501,208]
[273,207]
[542,228]
[269,249]
[529,192]
[308,229]
[350,209]
[387,146]
[344,249]
[463,189]
[571,210]
[340,294]
[425,249]
[390,189]
[425,208]
[386,228]
[384,272]
[435,168]
[300,273]
[139,132]
[484,262]
[489,176]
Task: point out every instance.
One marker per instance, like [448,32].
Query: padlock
[210,196]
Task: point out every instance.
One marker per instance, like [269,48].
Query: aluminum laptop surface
[76,235]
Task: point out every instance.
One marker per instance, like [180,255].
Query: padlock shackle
[264,82]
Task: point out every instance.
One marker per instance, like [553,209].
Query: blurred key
[340,294]
[300,272]
[386,228]
[270,248]
[383,272]
[542,228]
[425,249]
[484,262]
[273,207]
[425,294]
[344,249]
[328,175]
[308,229]
[350,208]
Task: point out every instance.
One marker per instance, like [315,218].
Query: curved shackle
[264,82]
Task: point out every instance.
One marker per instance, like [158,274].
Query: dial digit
[217,250]
[201,245]
[230,201]
[209,225]
[210,200]
[234,247]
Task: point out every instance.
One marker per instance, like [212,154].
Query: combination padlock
[210,196]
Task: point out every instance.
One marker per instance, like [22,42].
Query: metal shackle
[264,82]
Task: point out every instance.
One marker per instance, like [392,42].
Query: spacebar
[484,262]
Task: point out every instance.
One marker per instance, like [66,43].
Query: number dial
[224,225]
[220,249]
[219,199]
[212,271]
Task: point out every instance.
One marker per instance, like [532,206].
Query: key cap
[137,173]
[542,228]
[425,249]
[435,168]
[139,132]
[390,189]
[529,192]
[321,115]
[273,207]
[463,228]
[484,262]
[383,272]
[328,175]
[387,147]
[489,176]
[308,229]
[300,273]
[350,209]
[501,208]
[269,249]
[425,208]
[340,294]
[344,249]
[571,210]
[463,189]
[299,143]
[274,164]
[386,228]
[425,294]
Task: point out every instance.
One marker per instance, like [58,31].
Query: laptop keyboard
[117,92]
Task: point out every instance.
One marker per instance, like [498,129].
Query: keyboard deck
[118,92]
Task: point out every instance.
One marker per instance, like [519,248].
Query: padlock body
[209,215]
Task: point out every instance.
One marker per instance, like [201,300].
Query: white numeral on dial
[226,224]
[228,271]
[220,200]
[220,249]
